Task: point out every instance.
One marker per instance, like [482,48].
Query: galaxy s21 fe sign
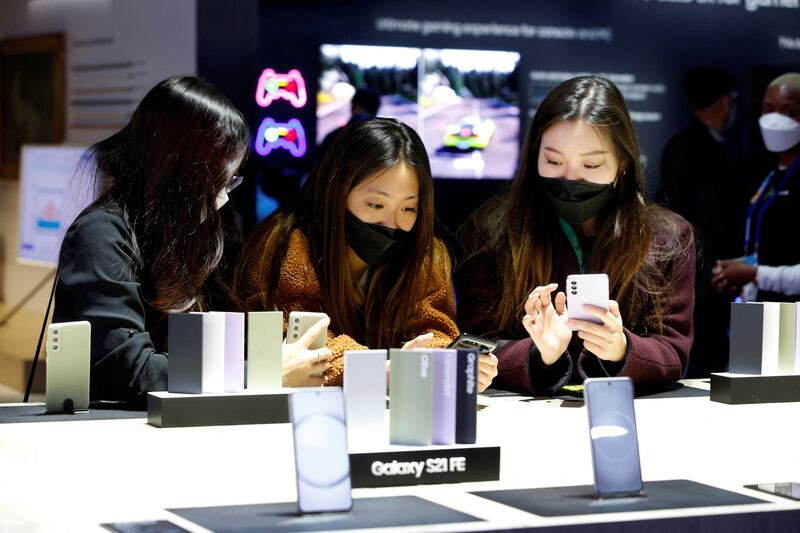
[464,104]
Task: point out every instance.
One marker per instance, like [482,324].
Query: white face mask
[780,132]
[222,199]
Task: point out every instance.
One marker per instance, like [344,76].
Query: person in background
[359,245]
[159,238]
[363,106]
[698,182]
[577,205]
[773,210]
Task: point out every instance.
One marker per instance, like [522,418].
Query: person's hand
[547,323]
[420,341]
[487,370]
[607,340]
[303,367]
[729,276]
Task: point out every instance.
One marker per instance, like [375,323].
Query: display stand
[750,388]
[172,410]
[424,465]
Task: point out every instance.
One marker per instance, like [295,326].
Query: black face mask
[576,201]
[373,243]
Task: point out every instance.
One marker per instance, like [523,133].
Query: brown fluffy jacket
[298,290]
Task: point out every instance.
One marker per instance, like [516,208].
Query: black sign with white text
[426,466]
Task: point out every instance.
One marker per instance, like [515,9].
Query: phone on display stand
[789,490]
[586,289]
[322,464]
[300,322]
[612,428]
[67,366]
[465,341]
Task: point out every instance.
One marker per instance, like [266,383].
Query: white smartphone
[586,289]
[612,427]
[322,464]
[299,322]
[67,366]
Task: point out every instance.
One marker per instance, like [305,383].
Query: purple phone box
[444,396]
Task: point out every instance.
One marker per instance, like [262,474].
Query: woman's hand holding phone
[487,370]
[607,340]
[304,367]
[546,322]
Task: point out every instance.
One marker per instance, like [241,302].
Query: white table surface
[72,476]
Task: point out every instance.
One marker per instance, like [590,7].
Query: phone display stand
[730,388]
[171,410]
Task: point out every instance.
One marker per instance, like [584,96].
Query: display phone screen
[612,427]
[586,289]
[472,342]
[787,490]
[320,450]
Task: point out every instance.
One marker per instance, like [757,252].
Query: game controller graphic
[290,86]
[272,135]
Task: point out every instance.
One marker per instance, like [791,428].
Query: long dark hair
[523,223]
[163,170]
[360,151]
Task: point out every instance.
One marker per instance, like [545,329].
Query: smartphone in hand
[300,322]
[465,341]
[586,289]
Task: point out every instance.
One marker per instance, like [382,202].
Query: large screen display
[463,103]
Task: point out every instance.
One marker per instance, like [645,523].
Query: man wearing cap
[698,182]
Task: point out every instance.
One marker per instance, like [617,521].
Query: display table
[74,475]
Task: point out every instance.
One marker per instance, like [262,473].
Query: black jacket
[99,282]
[699,183]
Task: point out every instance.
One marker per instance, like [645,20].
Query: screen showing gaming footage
[463,103]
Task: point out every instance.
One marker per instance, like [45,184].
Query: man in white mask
[772,214]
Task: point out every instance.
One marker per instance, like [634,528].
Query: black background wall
[649,44]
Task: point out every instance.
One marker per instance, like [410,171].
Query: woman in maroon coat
[577,205]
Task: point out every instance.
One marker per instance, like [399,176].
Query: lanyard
[572,237]
[761,202]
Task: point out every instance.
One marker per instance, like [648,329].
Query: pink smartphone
[586,289]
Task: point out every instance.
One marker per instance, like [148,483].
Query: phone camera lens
[55,347]
[55,332]
[574,292]
[55,339]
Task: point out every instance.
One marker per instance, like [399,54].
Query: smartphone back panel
[67,365]
[410,397]
[612,427]
[365,398]
[445,367]
[322,464]
[467,397]
[299,322]
[586,289]
[264,351]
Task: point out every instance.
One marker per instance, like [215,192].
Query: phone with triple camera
[586,289]
[322,464]
[67,366]
[465,341]
[300,322]
[612,428]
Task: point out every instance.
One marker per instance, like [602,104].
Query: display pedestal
[424,465]
[748,388]
[173,410]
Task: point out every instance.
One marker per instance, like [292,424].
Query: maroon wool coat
[652,360]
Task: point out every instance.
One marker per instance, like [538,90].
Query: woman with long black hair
[577,205]
[360,245]
[157,239]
